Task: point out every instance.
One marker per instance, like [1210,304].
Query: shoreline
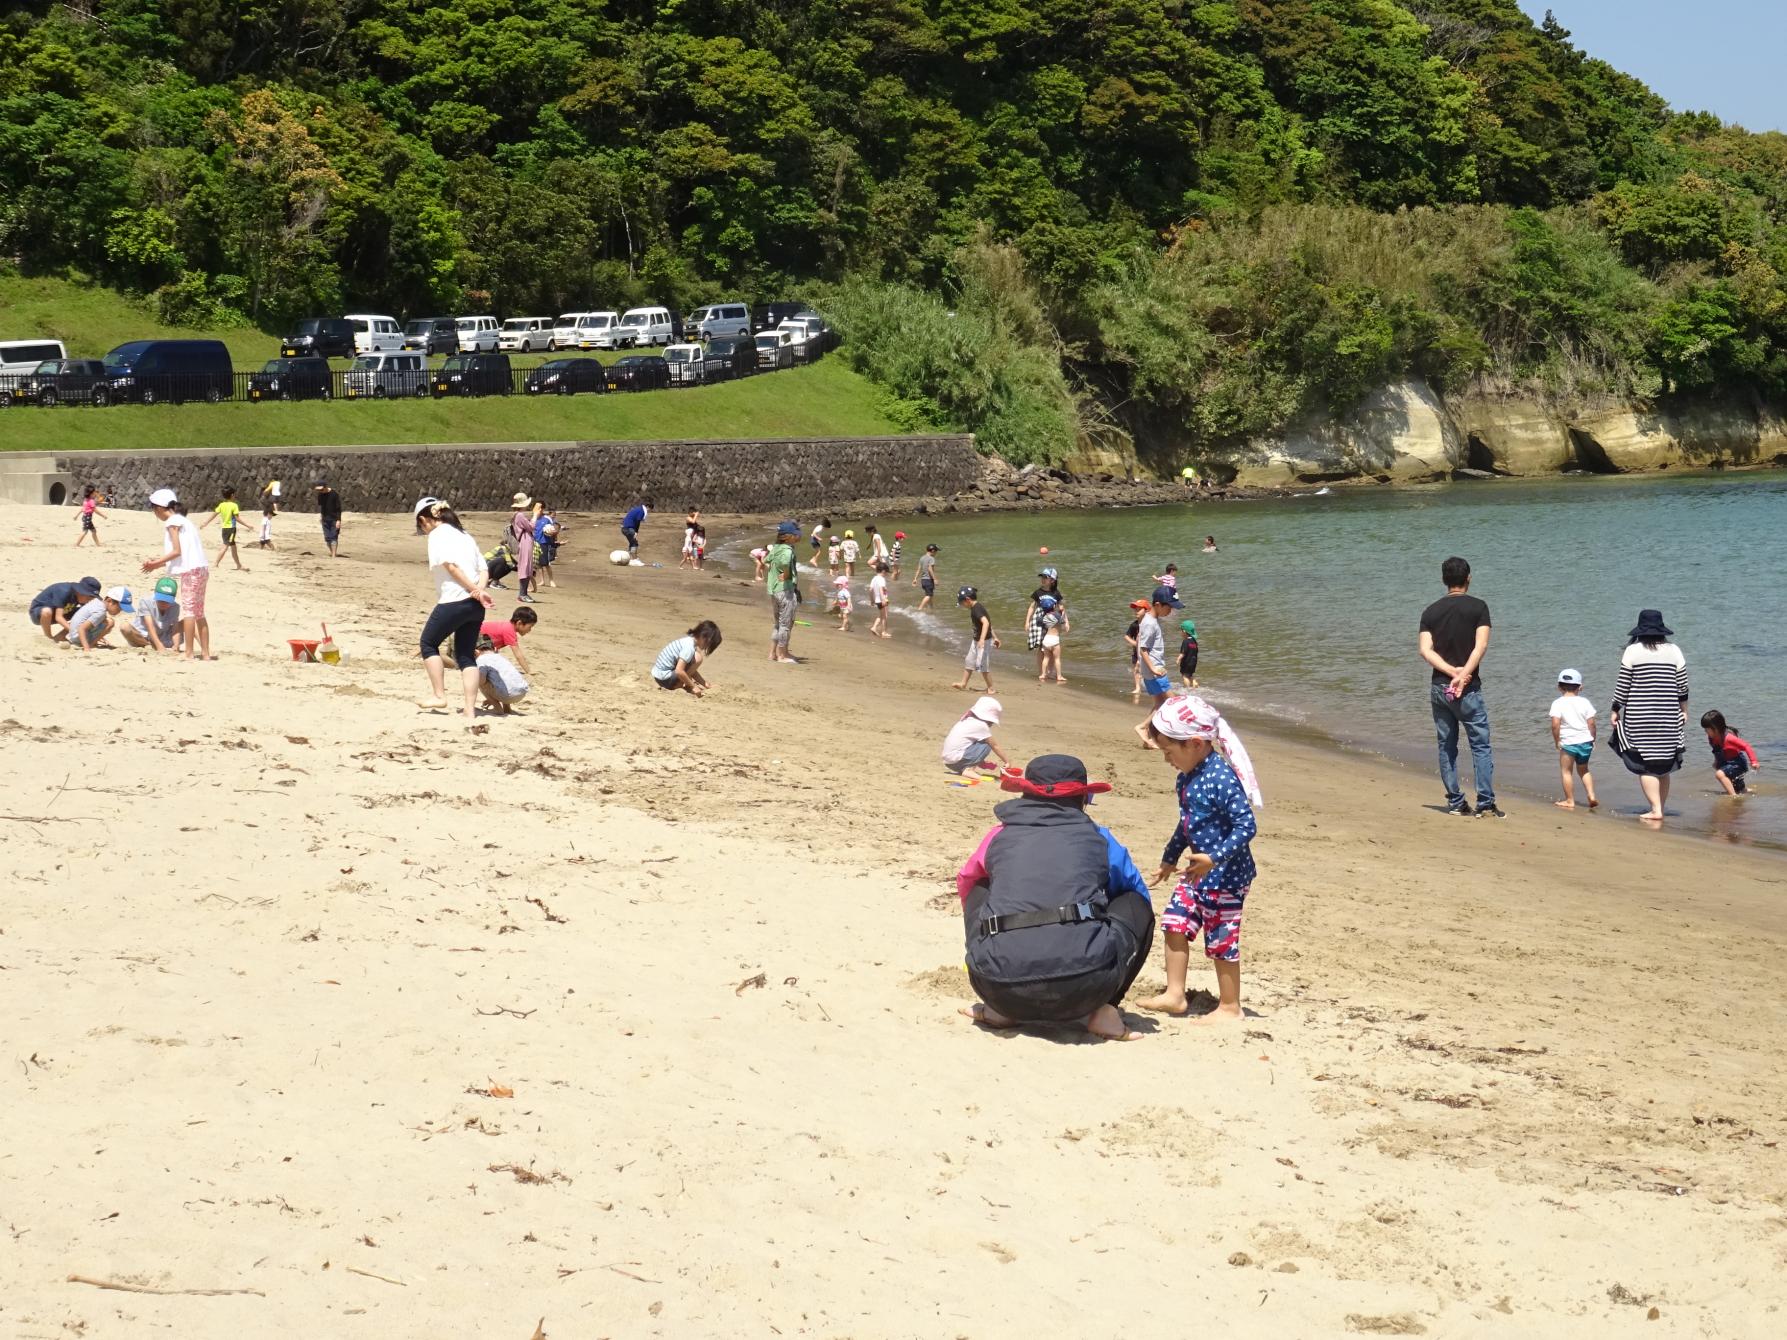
[643,1007]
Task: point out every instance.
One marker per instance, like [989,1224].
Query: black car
[432,335]
[292,379]
[323,336]
[639,372]
[566,376]
[75,381]
[773,314]
[153,371]
[474,374]
[731,356]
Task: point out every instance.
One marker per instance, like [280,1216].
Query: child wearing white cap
[970,740]
[841,599]
[1217,792]
[1573,732]
[94,621]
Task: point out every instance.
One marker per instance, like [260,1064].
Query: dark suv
[731,356]
[323,336]
[567,376]
[292,379]
[639,372]
[432,335]
[78,381]
[474,374]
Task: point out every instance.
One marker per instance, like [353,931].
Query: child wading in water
[1732,755]
[1573,732]
[1216,823]
[1137,608]
[89,510]
[842,603]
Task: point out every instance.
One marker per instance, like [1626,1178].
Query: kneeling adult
[1056,915]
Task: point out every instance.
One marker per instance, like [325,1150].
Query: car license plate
[254,395]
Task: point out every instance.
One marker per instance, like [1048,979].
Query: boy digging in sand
[1216,823]
[1573,732]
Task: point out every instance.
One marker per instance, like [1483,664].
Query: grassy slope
[825,400]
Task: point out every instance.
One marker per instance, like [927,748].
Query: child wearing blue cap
[1151,652]
[1048,618]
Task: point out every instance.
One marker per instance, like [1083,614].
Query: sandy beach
[636,1015]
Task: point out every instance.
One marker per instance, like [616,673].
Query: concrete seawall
[732,476]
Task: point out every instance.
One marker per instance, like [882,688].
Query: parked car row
[175,371]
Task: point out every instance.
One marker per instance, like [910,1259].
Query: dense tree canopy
[1145,164]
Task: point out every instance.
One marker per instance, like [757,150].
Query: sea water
[1308,613]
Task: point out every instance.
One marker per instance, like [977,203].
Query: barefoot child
[1732,755]
[970,740]
[841,601]
[981,649]
[89,510]
[1055,915]
[506,634]
[1048,618]
[226,514]
[1188,653]
[1573,732]
[266,540]
[501,684]
[926,580]
[679,665]
[878,598]
[1137,608]
[1151,650]
[851,550]
[1216,784]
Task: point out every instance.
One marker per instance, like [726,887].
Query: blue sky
[1719,56]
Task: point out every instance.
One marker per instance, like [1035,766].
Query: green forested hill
[1192,220]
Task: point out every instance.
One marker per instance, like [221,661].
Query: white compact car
[525,334]
[477,334]
[375,334]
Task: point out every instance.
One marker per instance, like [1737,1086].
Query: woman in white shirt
[183,555]
[456,566]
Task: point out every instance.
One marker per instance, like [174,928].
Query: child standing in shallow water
[1216,785]
[1573,732]
[1732,755]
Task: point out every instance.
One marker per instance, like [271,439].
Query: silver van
[718,320]
[386,376]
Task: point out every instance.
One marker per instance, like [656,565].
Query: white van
[19,357]
[563,334]
[648,325]
[477,334]
[796,331]
[375,334]
[385,376]
[718,320]
[525,333]
[601,330]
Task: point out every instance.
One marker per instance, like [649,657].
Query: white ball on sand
[620,558]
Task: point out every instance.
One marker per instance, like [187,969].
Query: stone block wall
[718,476]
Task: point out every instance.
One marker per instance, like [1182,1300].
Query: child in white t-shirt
[878,598]
[1573,732]
[851,550]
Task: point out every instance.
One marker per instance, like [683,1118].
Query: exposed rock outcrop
[1397,434]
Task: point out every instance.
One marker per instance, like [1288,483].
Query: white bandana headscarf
[1189,717]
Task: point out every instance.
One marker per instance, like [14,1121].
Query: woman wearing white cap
[1217,792]
[456,565]
[970,740]
[184,558]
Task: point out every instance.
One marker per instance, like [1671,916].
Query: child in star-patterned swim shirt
[1217,793]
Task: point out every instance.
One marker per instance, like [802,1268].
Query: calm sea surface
[1308,612]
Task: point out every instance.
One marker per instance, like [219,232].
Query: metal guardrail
[433,382]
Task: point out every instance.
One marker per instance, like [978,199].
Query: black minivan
[324,336]
[474,374]
[151,371]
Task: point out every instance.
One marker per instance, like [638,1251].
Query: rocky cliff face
[1405,432]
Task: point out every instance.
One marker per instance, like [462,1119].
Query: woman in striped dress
[1650,710]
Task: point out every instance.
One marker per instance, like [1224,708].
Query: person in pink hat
[1217,792]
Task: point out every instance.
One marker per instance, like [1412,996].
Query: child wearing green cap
[157,624]
[1188,654]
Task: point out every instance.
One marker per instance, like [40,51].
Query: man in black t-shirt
[1454,640]
[328,508]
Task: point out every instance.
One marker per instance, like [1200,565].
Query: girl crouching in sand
[1216,822]
[679,664]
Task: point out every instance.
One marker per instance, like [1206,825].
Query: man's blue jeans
[1468,711]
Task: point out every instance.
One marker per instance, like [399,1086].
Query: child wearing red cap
[893,556]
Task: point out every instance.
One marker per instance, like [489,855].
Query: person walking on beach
[1151,653]
[984,642]
[1048,585]
[878,598]
[227,514]
[521,531]
[1055,915]
[783,588]
[328,510]
[184,558]
[1137,609]
[630,524]
[1454,639]
[456,567]
[1573,732]
[926,581]
[1217,791]
[1732,754]
[89,510]
[266,539]
[1650,710]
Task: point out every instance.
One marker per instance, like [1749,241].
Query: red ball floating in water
[1043,550]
